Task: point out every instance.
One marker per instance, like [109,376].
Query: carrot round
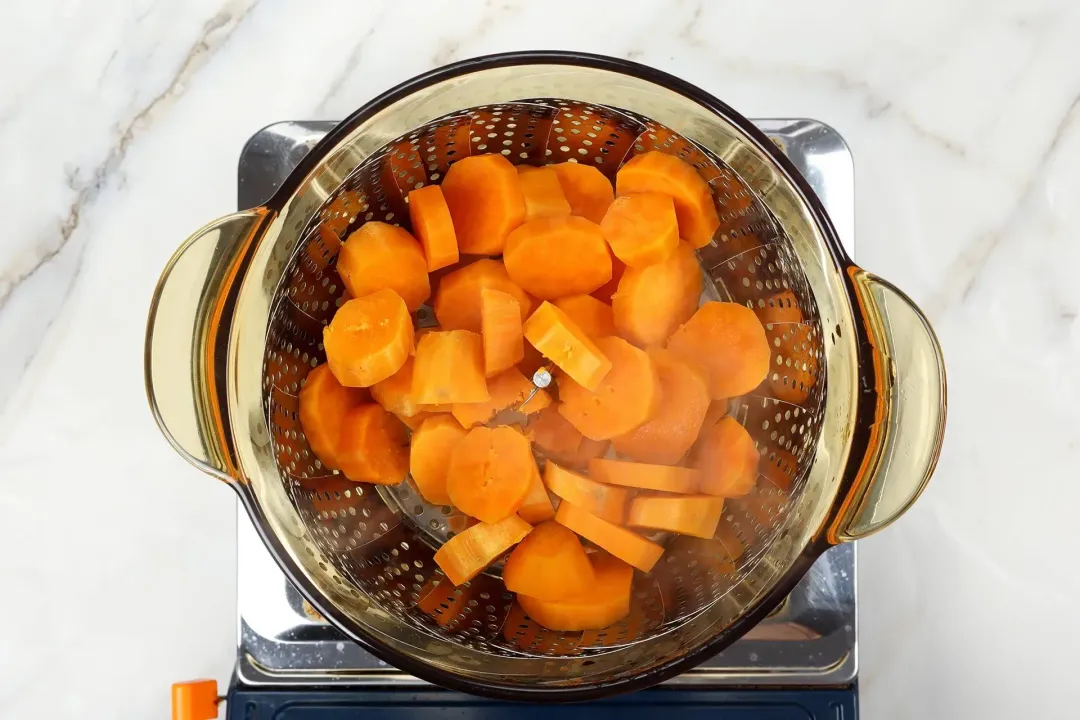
[449,369]
[537,506]
[323,404]
[465,556]
[664,478]
[607,291]
[604,501]
[489,473]
[586,189]
[543,194]
[380,255]
[668,435]
[433,226]
[507,390]
[395,393]
[606,602]
[728,460]
[653,301]
[624,544]
[662,173]
[484,195]
[558,256]
[696,515]
[500,320]
[728,341]
[549,564]
[373,447]
[429,456]
[561,340]
[369,339]
[641,228]
[593,316]
[628,395]
[458,300]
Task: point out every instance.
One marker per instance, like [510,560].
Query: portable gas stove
[800,662]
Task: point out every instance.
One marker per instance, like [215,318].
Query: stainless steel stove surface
[809,641]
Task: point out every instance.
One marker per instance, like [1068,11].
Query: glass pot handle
[904,387]
[187,334]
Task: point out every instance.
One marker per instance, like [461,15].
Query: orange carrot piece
[500,319]
[653,301]
[586,189]
[489,475]
[323,404]
[442,601]
[728,460]
[662,173]
[696,515]
[553,433]
[449,369]
[593,316]
[543,194]
[369,339]
[606,602]
[629,394]
[458,300]
[641,228]
[549,564]
[537,506]
[414,422]
[728,341]
[558,256]
[395,393]
[607,291]
[665,478]
[429,456]
[373,447]
[433,226]
[604,501]
[507,390]
[465,555]
[717,409]
[562,341]
[667,436]
[380,255]
[624,544]
[484,195]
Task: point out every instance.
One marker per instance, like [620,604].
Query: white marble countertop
[120,127]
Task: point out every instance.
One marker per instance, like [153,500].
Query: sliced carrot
[728,341]
[507,390]
[558,256]
[717,409]
[369,339]
[607,291]
[380,255]
[395,393]
[537,506]
[670,433]
[429,456]
[458,301]
[373,447]
[323,404]
[695,515]
[641,228]
[604,603]
[489,475]
[465,556]
[604,501]
[484,195]
[543,194]
[593,316]
[433,226]
[586,189]
[664,478]
[549,564]
[449,369]
[500,319]
[653,301]
[662,173]
[628,395]
[728,460]
[561,340]
[624,544]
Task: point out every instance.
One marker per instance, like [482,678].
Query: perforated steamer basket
[849,421]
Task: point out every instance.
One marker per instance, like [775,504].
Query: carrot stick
[604,603]
[549,564]
[380,255]
[449,369]
[593,316]
[323,404]
[429,456]
[485,200]
[653,301]
[507,390]
[458,302]
[434,228]
[369,339]
[728,342]
[620,542]
[728,460]
[558,256]
[664,478]
[662,173]
[543,194]
[641,228]
[604,501]
[563,342]
[695,515]
[586,189]
[489,474]
[500,319]
[373,447]
[465,556]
